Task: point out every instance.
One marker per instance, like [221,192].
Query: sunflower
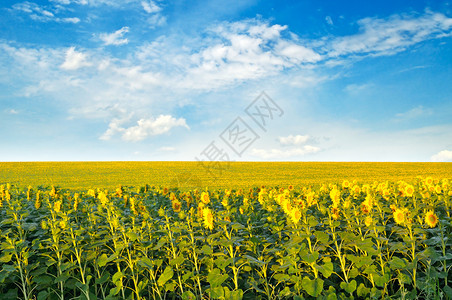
[368,221]
[57,206]
[399,216]
[345,184]
[295,215]
[208,218]
[176,205]
[438,189]
[205,198]
[335,213]
[409,190]
[431,219]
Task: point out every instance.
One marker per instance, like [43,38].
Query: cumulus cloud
[115,38]
[293,140]
[74,60]
[144,128]
[282,154]
[442,156]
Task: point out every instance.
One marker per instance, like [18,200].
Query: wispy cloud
[414,113]
[442,156]
[42,13]
[387,36]
[115,38]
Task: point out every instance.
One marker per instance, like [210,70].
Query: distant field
[83,175]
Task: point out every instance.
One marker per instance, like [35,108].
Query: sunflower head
[295,215]
[431,219]
[409,190]
[399,216]
[205,198]
[208,218]
[176,206]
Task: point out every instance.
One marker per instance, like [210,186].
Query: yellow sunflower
[295,215]
[208,218]
[409,190]
[399,216]
[205,198]
[431,219]
[176,206]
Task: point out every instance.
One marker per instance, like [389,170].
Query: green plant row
[349,241]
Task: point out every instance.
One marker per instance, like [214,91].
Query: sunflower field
[347,240]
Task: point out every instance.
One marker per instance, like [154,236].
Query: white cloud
[144,128]
[414,113]
[387,36]
[115,38]
[282,154]
[150,6]
[442,156]
[293,140]
[74,60]
[70,20]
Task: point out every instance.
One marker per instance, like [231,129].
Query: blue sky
[162,80]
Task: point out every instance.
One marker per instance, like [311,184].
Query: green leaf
[312,287]
[349,287]
[397,263]
[326,269]
[215,278]
[217,292]
[233,295]
[322,237]
[103,279]
[132,236]
[117,277]
[102,261]
[448,291]
[188,295]
[166,275]
[42,279]
[310,258]
[381,280]
[160,243]
[362,291]
[6,258]
[253,260]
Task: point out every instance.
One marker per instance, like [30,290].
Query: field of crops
[190,175]
[349,240]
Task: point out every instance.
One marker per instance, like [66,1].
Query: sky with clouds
[225,80]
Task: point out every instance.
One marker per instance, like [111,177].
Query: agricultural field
[341,238]
[190,175]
